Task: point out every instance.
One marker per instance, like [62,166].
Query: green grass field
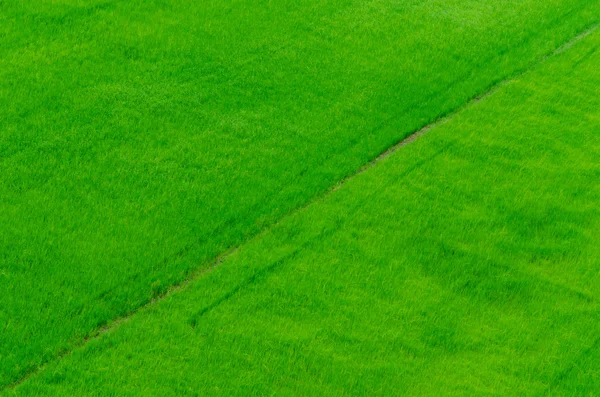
[141,140]
[467,263]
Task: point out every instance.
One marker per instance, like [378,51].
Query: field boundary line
[216,262]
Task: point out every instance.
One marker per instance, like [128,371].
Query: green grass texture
[466,263]
[141,139]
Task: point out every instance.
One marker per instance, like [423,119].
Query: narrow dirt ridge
[493,88]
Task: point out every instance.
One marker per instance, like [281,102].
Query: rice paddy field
[323,197]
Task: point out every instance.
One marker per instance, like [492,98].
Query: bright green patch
[467,263]
[139,139]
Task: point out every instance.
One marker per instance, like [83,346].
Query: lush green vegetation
[139,139]
[465,263]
